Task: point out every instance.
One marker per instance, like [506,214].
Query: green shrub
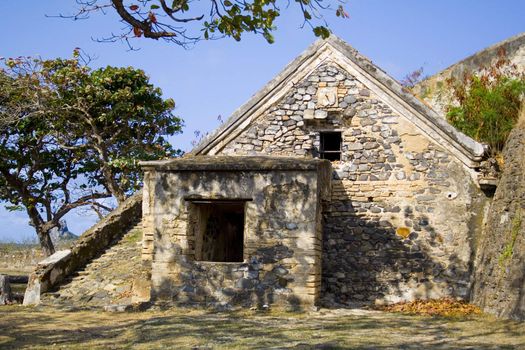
[487,105]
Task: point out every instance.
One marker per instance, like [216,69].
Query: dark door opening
[220,236]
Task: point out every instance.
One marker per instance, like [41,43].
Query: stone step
[107,279]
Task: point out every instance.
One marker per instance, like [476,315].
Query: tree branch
[78,203]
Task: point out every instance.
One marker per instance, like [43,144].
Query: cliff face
[499,273]
[434,91]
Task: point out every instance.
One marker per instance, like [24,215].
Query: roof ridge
[469,148]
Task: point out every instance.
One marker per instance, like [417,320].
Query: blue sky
[216,77]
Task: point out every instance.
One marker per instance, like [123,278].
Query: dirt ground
[44,328]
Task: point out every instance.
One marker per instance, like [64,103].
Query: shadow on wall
[279,244]
[367,260]
[225,285]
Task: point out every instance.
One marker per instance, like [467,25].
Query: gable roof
[385,87]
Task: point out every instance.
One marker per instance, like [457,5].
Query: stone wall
[50,272]
[282,230]
[499,279]
[19,258]
[404,209]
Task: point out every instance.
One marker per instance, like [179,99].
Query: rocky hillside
[433,90]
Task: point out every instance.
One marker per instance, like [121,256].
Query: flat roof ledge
[233,163]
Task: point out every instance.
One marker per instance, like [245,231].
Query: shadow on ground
[188,329]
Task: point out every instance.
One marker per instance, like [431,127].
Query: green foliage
[126,117]
[72,135]
[488,105]
[186,22]
[14,208]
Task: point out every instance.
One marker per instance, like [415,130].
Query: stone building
[332,185]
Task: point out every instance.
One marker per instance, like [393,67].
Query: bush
[487,105]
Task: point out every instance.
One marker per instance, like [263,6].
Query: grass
[9,247]
[134,236]
[43,328]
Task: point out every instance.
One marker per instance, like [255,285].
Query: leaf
[307,15]
[321,31]
[154,7]
[340,12]
[137,31]
[152,17]
[134,7]
[14,208]
[269,37]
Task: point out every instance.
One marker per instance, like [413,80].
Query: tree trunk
[42,231]
[46,243]
[5,290]
[113,187]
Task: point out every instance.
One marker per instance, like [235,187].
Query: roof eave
[473,151]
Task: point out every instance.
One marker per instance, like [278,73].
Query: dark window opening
[220,231]
[330,145]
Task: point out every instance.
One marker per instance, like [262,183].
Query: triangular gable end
[385,87]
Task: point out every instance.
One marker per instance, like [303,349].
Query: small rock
[291,226]
[320,114]
[117,308]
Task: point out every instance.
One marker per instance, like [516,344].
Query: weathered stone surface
[19,258]
[386,162]
[320,114]
[499,278]
[115,279]
[5,290]
[53,259]
[394,175]
[308,114]
[282,230]
[88,246]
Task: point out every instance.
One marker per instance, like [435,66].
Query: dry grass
[41,328]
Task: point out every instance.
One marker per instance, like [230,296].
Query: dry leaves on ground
[447,307]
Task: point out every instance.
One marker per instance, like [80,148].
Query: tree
[83,139]
[185,22]
[39,176]
[17,96]
[115,117]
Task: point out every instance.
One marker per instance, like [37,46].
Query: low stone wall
[499,278]
[50,272]
[19,258]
